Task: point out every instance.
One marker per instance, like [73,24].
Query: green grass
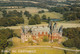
[52,15]
[17,45]
[75,21]
[30,9]
[39,51]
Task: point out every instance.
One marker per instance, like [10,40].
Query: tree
[32,21]
[44,17]
[48,20]
[10,44]
[11,18]
[27,14]
[20,14]
[11,21]
[78,15]
[45,39]
[5,34]
[8,53]
[65,51]
[0,9]
[69,43]
[73,35]
[37,19]
[42,11]
[70,16]
[4,13]
[30,41]
[14,13]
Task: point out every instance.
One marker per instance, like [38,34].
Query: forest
[73,35]
[11,18]
[69,12]
[36,19]
[6,34]
[24,4]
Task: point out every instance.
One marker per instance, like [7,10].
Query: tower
[60,30]
[22,34]
[55,28]
[51,29]
[55,32]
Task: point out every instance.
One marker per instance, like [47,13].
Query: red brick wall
[54,35]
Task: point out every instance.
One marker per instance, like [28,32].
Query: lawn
[37,51]
[19,48]
[17,43]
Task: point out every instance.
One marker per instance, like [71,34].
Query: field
[30,9]
[75,21]
[65,25]
[52,15]
[34,10]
